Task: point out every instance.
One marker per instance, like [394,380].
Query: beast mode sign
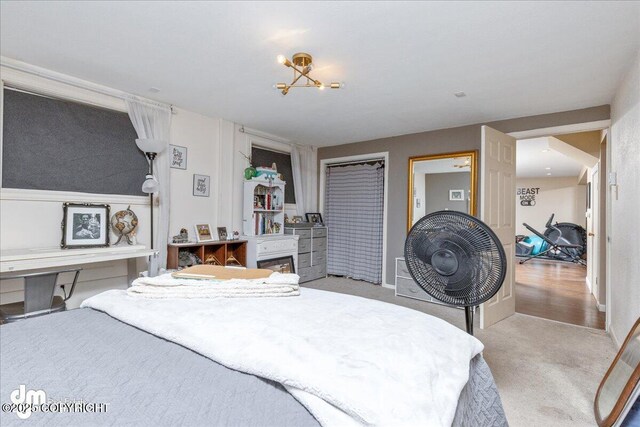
[527,195]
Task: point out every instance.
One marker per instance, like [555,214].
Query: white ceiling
[401,62]
[532,161]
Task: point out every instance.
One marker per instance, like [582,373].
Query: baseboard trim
[386,285]
[614,338]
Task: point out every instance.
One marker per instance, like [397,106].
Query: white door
[497,210]
[593,232]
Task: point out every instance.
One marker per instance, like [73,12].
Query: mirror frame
[633,381]
[473,185]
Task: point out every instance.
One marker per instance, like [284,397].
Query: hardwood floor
[556,291]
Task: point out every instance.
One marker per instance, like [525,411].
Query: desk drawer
[280,245]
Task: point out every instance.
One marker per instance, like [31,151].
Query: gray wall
[437,186]
[462,138]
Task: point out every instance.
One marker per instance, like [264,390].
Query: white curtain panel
[305,178]
[354,215]
[298,185]
[154,122]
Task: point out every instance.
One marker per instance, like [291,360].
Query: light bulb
[321,86]
[336,85]
[150,185]
[281,59]
[279,86]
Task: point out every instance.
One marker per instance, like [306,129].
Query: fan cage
[481,258]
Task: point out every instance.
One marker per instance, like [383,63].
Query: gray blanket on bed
[85,355]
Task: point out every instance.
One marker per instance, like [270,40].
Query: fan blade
[423,248]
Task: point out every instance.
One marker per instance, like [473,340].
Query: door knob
[591,234]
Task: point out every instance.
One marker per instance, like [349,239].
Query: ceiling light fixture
[460,94]
[548,168]
[302,64]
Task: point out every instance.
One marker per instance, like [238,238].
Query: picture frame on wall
[203,233]
[283,264]
[85,225]
[456,195]
[201,185]
[178,157]
[314,217]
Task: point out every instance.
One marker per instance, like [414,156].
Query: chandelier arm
[305,74]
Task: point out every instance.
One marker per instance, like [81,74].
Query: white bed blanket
[349,360]
[166,286]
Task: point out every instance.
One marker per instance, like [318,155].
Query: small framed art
[201,184]
[203,233]
[85,225]
[283,264]
[314,218]
[456,195]
[222,233]
[178,157]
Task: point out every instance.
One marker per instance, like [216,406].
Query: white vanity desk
[20,260]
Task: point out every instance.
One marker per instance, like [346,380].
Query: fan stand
[468,315]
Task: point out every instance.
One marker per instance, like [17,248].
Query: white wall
[624,283]
[419,189]
[562,196]
[31,219]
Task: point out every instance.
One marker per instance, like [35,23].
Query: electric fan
[456,259]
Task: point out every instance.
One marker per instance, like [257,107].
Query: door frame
[603,125]
[324,163]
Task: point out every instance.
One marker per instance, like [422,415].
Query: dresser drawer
[320,244]
[304,245]
[401,269]
[319,232]
[304,234]
[409,288]
[312,273]
[304,260]
[319,258]
[280,245]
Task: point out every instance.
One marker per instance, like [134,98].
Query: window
[60,145]
[264,157]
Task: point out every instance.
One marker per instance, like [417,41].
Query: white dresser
[270,246]
[407,287]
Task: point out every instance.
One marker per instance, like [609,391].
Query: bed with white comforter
[319,357]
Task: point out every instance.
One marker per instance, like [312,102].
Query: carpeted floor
[547,372]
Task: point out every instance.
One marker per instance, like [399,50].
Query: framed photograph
[297,219]
[85,225]
[203,233]
[456,195]
[178,157]
[283,264]
[222,233]
[201,185]
[314,218]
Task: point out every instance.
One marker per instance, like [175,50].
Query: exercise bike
[563,241]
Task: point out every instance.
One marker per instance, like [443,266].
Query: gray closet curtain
[354,210]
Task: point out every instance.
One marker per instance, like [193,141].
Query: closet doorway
[353,202]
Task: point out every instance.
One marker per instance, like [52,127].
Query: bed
[86,354]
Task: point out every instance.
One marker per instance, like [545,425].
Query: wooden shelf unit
[222,250]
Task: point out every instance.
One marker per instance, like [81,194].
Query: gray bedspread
[86,355]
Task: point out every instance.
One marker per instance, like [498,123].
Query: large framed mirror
[442,182]
[620,387]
